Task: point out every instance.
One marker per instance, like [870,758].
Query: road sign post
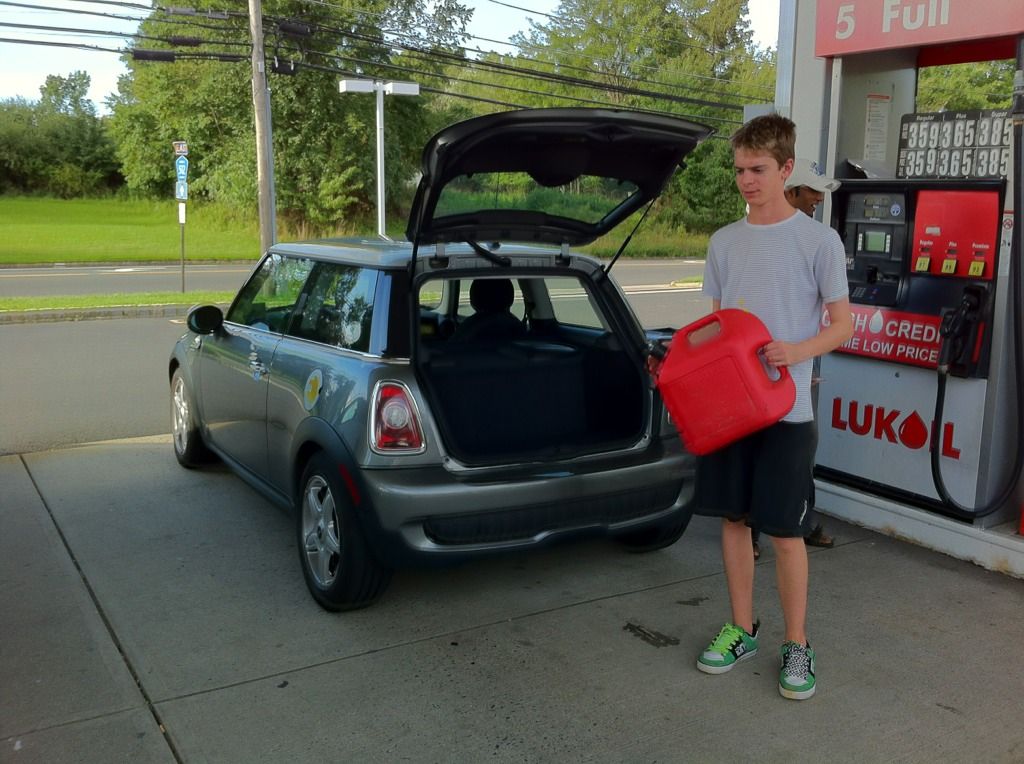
[181,194]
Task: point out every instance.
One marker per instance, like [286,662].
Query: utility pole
[264,132]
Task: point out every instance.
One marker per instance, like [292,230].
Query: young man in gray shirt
[786,269]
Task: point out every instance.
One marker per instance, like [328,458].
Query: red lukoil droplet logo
[890,425]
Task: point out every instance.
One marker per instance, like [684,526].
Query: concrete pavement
[157,614]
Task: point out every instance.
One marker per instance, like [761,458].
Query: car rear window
[338,306]
[586,198]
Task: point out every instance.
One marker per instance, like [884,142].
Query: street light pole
[380,89]
[381,230]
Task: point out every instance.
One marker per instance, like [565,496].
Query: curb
[91,314]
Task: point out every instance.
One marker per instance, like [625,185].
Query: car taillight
[396,427]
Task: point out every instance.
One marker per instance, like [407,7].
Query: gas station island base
[1000,548]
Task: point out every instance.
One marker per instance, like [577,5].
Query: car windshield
[586,198]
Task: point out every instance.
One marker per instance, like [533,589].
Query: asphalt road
[77,381]
[110,279]
[154,614]
[69,382]
[114,279]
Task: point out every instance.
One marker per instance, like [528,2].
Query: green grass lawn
[80,301]
[40,230]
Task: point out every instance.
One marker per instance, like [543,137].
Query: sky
[24,68]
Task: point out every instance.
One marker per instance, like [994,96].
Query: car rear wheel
[658,536]
[340,570]
[188,443]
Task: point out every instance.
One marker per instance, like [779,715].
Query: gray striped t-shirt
[783,273]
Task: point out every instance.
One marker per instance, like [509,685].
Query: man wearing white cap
[806,186]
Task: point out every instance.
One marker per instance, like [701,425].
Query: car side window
[572,303]
[338,309]
[268,299]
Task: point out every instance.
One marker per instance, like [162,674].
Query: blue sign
[181,167]
[181,191]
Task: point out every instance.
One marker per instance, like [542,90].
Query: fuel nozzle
[656,352]
[958,326]
[657,349]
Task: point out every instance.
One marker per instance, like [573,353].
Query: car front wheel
[340,570]
[189,448]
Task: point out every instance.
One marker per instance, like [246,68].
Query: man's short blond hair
[770,133]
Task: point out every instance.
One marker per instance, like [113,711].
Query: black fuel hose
[1016,298]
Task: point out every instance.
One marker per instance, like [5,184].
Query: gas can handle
[698,325]
[776,374]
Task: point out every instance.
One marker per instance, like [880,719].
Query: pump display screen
[874,241]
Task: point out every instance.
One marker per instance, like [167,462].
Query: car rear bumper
[432,513]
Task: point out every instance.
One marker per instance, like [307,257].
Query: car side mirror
[205,319]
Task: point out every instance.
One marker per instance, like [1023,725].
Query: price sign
[955,144]
[843,27]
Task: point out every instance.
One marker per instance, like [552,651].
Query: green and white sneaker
[732,645]
[796,679]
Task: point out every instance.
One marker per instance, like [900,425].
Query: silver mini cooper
[478,389]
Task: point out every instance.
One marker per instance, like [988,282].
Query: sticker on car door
[311,393]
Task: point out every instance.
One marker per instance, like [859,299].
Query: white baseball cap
[808,173]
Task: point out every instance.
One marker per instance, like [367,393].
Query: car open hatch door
[551,176]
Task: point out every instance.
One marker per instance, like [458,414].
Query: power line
[633,65]
[185,41]
[622,76]
[396,33]
[78,46]
[403,35]
[549,94]
[564,20]
[70,10]
[238,57]
[115,16]
[423,88]
[441,57]
[120,3]
[547,76]
[444,76]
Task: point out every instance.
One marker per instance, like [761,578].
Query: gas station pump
[922,261]
[920,413]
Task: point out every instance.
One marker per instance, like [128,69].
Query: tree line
[189,79]
[57,145]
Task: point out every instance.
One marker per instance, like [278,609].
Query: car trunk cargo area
[532,399]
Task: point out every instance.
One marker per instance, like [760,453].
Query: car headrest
[491,295]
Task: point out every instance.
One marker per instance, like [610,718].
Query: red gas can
[716,384]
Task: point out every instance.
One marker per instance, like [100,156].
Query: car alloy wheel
[189,448]
[320,527]
[180,415]
[340,569]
